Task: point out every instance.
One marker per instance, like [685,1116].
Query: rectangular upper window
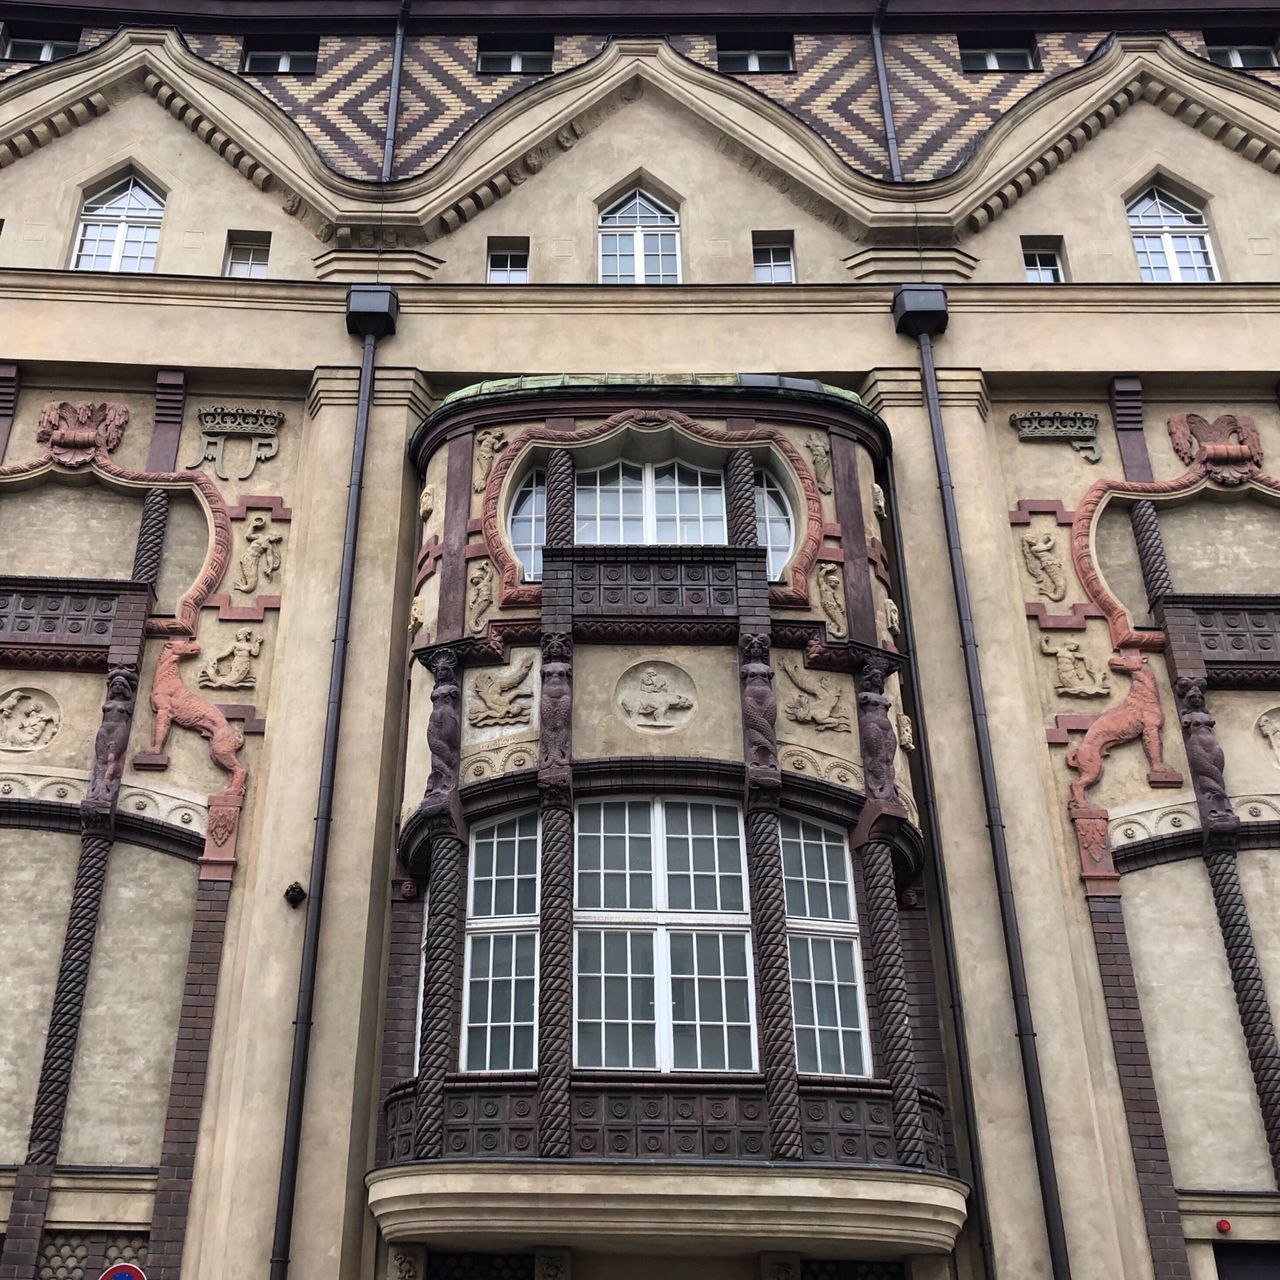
[37,49]
[1244,50]
[508,260]
[772,257]
[274,57]
[741,54]
[525,55]
[998,52]
[1043,260]
[247,253]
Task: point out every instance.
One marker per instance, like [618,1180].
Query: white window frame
[764,480]
[492,926]
[804,926]
[753,55]
[649,502]
[515,59]
[284,61]
[122,222]
[772,264]
[48,49]
[637,232]
[1167,232]
[1041,260]
[663,921]
[535,479]
[993,55]
[491,270]
[259,251]
[1234,59]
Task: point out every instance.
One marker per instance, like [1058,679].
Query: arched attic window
[639,241]
[119,228]
[1171,239]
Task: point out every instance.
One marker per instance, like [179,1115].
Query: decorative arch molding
[1155,70]
[513,593]
[1199,476]
[207,494]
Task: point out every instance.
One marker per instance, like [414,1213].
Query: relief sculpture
[820,451]
[479,595]
[1075,675]
[831,595]
[173,703]
[875,729]
[78,433]
[500,696]
[1204,754]
[29,720]
[1138,716]
[1269,727]
[759,707]
[820,701]
[488,445]
[656,696]
[1044,567]
[239,656]
[556,708]
[260,557]
[111,741]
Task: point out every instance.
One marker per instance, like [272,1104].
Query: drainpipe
[920,311]
[393,93]
[882,81]
[933,833]
[371,314]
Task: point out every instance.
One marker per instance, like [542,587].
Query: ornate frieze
[688,586]
[656,697]
[819,699]
[1076,426]
[501,697]
[1234,640]
[29,719]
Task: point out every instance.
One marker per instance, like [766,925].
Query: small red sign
[123,1271]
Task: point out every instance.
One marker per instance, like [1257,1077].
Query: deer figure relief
[173,703]
[1138,716]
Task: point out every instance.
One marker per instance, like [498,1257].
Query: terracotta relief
[257,428]
[29,719]
[488,445]
[820,700]
[500,697]
[426,503]
[878,504]
[820,451]
[1075,676]
[1138,716]
[444,728]
[173,703]
[1197,441]
[556,708]
[1204,755]
[818,764]
[239,656]
[1044,566]
[656,696]
[906,732]
[759,707]
[892,619]
[78,433]
[112,739]
[260,558]
[479,595]
[831,596]
[1269,727]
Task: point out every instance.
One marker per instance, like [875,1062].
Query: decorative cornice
[38,133]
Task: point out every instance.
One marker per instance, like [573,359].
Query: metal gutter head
[372,310]
[920,309]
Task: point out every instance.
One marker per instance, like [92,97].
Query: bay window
[645,504]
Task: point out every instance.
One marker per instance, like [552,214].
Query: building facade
[628,646]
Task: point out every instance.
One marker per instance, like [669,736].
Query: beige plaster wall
[1207,1101]
[1084,203]
[124,1058]
[204,197]
[1252,763]
[106,526]
[720,205]
[37,869]
[1260,876]
[713,728]
[1170,396]
[1216,544]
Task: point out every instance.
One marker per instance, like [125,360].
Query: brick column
[400,1008]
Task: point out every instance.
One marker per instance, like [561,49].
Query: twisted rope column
[740,498]
[1251,993]
[441,990]
[555,979]
[68,1001]
[897,1050]
[773,980]
[560,498]
[1151,555]
[151,531]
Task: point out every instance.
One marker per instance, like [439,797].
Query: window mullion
[117,245]
[662,1011]
[649,501]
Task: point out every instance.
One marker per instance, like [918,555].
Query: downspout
[920,311]
[882,81]
[946,924]
[371,314]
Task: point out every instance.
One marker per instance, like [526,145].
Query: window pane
[825,1000]
[615,1008]
[815,871]
[704,857]
[615,856]
[504,873]
[609,505]
[528,524]
[773,523]
[710,1023]
[500,1002]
